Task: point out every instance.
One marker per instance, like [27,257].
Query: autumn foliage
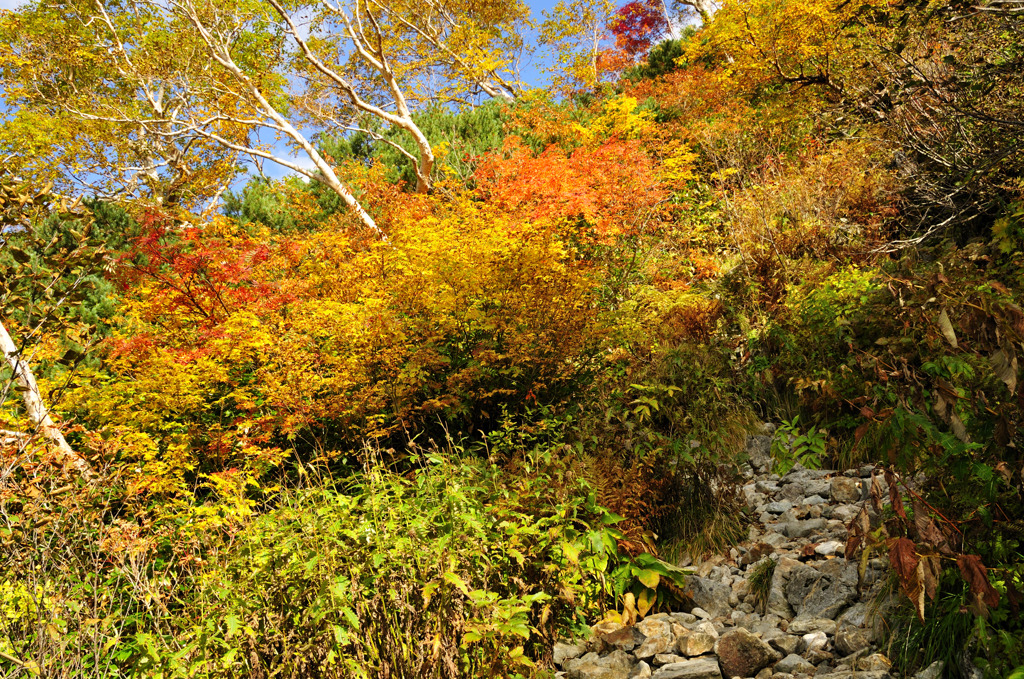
[811,213]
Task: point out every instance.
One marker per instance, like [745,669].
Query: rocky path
[819,617]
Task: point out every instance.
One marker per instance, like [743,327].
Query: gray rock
[698,668]
[700,613]
[778,507]
[787,644]
[766,487]
[805,624]
[801,529]
[624,639]
[709,595]
[845,513]
[563,651]
[933,671]
[847,674]
[846,490]
[855,615]
[759,450]
[818,487]
[741,654]
[696,643]
[817,594]
[794,664]
[766,673]
[655,644]
[640,671]
[614,666]
[684,618]
[653,626]
[666,659]
[850,639]
[814,500]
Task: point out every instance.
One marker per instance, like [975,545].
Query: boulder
[741,654]
[786,644]
[666,659]
[814,641]
[850,639]
[933,671]
[804,624]
[794,664]
[708,595]
[845,490]
[563,652]
[696,643]
[624,639]
[795,530]
[640,671]
[617,665]
[698,668]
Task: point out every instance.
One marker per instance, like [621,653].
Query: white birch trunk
[36,410]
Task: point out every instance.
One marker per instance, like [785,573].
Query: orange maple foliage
[613,186]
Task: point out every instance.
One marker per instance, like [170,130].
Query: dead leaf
[894,495]
[1004,365]
[976,575]
[904,559]
[928,531]
[947,329]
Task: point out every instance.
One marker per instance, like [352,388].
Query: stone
[708,595]
[814,500]
[801,529]
[696,643]
[846,490]
[658,632]
[707,628]
[805,624]
[933,671]
[617,665]
[786,644]
[563,651]
[606,627]
[815,594]
[742,654]
[625,639]
[666,659]
[876,662]
[794,664]
[759,451]
[819,487]
[698,668]
[766,673]
[847,674]
[850,639]
[684,618]
[653,626]
[655,644]
[640,671]
[855,615]
[814,641]
[700,613]
[778,507]
[828,548]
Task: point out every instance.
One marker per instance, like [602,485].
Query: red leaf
[903,557]
[976,575]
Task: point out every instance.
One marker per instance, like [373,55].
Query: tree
[639,24]
[13,203]
[575,32]
[242,75]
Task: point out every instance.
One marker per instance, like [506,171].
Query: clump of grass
[761,583]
